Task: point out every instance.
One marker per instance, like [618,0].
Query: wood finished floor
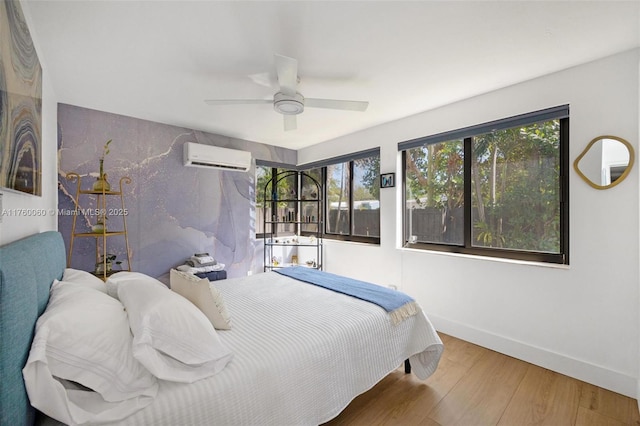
[477,386]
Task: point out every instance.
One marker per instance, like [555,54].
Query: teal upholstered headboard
[27,270]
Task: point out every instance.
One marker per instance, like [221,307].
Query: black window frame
[560,113]
[349,158]
[275,169]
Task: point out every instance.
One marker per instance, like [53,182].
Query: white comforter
[301,354]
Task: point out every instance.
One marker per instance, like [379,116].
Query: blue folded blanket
[397,304]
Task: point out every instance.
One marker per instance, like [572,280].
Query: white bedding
[301,354]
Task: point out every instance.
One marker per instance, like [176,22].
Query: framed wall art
[20,104]
[387,180]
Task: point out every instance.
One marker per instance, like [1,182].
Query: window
[366,197]
[435,192]
[352,196]
[310,211]
[270,208]
[263,174]
[498,189]
[338,199]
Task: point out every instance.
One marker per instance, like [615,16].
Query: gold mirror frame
[622,176]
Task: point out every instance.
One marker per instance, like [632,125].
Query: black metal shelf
[295,219]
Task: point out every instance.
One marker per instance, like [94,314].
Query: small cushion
[81,366]
[171,337]
[204,295]
[83,277]
[213,275]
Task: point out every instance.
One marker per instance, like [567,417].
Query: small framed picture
[387,180]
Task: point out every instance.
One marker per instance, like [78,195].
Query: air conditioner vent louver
[218,166]
[215,157]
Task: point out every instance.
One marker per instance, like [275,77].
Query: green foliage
[105,149]
[518,173]
[487,236]
[338,182]
[370,179]
[435,175]
[285,186]
[263,174]
[361,193]
[515,184]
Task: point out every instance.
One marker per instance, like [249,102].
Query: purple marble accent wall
[172,211]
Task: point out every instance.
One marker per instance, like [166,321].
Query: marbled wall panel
[173,211]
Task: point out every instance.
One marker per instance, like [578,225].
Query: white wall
[14,227]
[581,319]
[638,358]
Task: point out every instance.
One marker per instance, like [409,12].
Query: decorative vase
[101,224]
[98,228]
[100,268]
[101,184]
[101,264]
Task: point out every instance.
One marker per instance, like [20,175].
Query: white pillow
[83,338]
[171,337]
[125,277]
[85,278]
[204,295]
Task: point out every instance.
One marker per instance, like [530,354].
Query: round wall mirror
[605,162]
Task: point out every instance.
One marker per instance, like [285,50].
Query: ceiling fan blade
[290,122]
[336,104]
[287,69]
[237,101]
[263,79]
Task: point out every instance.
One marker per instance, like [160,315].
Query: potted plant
[101,184]
[110,260]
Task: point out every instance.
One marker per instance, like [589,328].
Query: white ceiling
[158,60]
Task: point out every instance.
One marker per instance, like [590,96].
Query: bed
[300,353]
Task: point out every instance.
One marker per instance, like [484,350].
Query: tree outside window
[338,199]
[505,200]
[366,197]
[515,187]
[267,207]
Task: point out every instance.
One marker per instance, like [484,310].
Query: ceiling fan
[288,101]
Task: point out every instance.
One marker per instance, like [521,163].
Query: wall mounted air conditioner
[215,157]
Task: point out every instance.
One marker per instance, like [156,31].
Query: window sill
[488,258]
[360,243]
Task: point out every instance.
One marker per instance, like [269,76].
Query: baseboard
[581,370]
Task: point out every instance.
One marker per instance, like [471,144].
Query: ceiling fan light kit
[288,101]
[288,105]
